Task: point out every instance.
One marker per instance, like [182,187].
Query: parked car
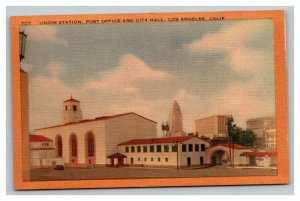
[59,167]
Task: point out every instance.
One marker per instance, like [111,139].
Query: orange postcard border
[282,177]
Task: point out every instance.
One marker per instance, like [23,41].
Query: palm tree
[165,128]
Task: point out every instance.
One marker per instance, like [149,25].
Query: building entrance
[219,158]
[188,161]
[201,160]
[73,149]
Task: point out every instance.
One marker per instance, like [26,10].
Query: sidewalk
[252,167]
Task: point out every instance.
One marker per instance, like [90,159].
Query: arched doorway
[58,146]
[73,149]
[219,157]
[90,148]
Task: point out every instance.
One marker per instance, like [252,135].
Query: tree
[165,128]
[247,138]
[238,135]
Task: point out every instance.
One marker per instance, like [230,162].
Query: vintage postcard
[149,100]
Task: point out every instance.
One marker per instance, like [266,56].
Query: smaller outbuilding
[261,159]
[42,152]
[116,160]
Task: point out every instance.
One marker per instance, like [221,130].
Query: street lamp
[22,44]
[177,153]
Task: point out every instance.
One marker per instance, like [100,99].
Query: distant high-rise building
[265,132]
[212,127]
[175,121]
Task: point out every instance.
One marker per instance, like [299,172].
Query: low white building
[183,151]
[42,152]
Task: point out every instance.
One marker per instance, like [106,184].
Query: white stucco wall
[139,157]
[126,128]
[96,127]
[238,160]
[42,144]
[145,158]
[42,154]
[195,156]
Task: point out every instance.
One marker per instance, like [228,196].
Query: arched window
[59,146]
[91,144]
[73,145]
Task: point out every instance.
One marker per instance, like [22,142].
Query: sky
[209,67]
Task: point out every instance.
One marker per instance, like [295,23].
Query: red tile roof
[39,138]
[42,149]
[259,154]
[72,100]
[117,155]
[235,146]
[158,140]
[96,119]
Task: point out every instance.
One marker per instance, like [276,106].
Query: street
[142,172]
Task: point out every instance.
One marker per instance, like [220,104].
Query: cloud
[136,86]
[44,33]
[126,77]
[229,38]
[117,91]
[233,41]
[245,96]
[239,101]
[45,96]
[27,66]
[55,69]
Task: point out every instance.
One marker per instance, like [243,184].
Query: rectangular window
[166,148]
[74,108]
[202,147]
[190,148]
[158,148]
[139,158]
[166,159]
[183,148]
[158,159]
[151,159]
[126,149]
[145,149]
[132,149]
[174,148]
[66,108]
[138,148]
[151,148]
[145,159]
[196,147]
